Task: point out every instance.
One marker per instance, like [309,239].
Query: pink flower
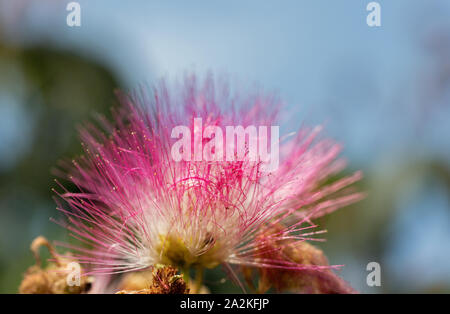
[135,206]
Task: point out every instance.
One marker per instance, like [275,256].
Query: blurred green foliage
[56,91]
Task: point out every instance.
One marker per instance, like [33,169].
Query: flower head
[137,206]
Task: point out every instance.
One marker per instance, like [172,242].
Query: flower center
[174,251]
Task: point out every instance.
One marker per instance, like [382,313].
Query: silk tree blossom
[134,206]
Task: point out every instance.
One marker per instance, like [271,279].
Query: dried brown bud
[300,281]
[165,280]
[53,278]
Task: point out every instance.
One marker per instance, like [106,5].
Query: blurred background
[384,92]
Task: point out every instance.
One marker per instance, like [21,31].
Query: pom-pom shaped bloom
[137,204]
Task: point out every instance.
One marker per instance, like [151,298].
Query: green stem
[186,275]
[198,279]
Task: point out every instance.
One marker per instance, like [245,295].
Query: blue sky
[321,56]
